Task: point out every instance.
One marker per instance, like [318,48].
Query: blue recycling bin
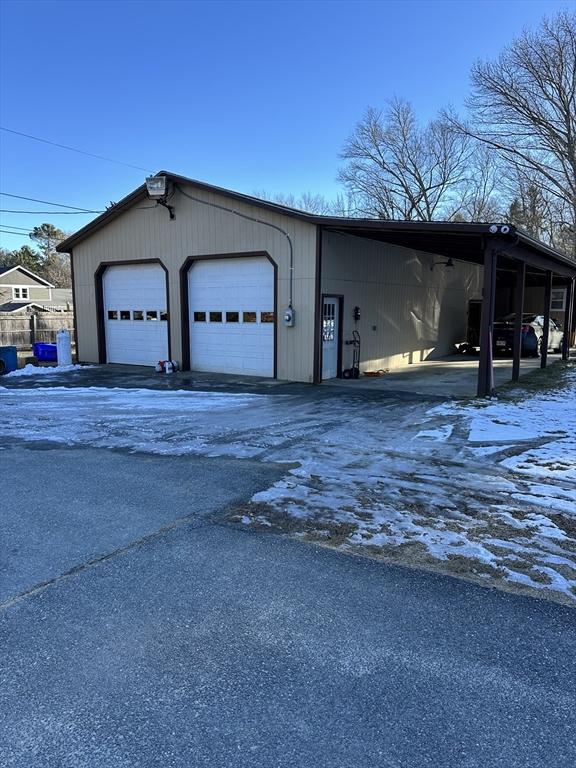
[45,352]
[8,359]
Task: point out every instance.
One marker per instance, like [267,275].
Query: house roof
[5,270]
[462,240]
[46,306]
[17,306]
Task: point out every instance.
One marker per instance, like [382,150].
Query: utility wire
[13,226]
[52,213]
[18,234]
[47,202]
[73,149]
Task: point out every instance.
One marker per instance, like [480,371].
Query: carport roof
[459,240]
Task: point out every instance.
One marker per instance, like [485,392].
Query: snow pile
[42,370]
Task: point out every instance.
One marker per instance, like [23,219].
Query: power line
[47,202]
[18,234]
[13,226]
[52,213]
[73,149]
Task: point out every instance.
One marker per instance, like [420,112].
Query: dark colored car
[532,332]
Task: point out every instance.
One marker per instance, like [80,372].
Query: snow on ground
[483,491]
[544,425]
[42,370]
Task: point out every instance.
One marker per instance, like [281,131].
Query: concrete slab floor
[454,376]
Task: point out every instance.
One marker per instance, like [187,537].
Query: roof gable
[140,193]
[7,270]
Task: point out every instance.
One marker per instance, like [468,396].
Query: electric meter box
[289,317]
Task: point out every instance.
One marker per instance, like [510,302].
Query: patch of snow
[439,434]
[553,459]
[550,502]
[43,370]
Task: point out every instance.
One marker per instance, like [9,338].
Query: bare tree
[481,194]
[536,211]
[524,105]
[530,208]
[344,204]
[398,169]
[307,201]
[56,269]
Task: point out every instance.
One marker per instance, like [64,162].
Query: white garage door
[232,316]
[135,314]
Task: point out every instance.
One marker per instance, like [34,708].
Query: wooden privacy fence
[24,330]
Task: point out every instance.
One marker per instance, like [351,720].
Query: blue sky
[245,95]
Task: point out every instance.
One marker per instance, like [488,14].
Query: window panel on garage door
[136,293]
[240,289]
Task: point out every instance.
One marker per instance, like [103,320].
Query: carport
[506,254]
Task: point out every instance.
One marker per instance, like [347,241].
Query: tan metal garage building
[224,282]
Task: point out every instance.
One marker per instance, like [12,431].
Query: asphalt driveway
[66,507]
[139,629]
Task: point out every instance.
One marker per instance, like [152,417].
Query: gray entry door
[330,336]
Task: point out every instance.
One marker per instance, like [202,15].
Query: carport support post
[485,368]
[546,333]
[568,310]
[518,310]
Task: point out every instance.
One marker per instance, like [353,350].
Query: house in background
[21,290]
[558,300]
[228,283]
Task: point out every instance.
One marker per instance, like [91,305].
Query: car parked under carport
[531,338]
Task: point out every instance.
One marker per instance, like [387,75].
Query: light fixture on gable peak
[157,188]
